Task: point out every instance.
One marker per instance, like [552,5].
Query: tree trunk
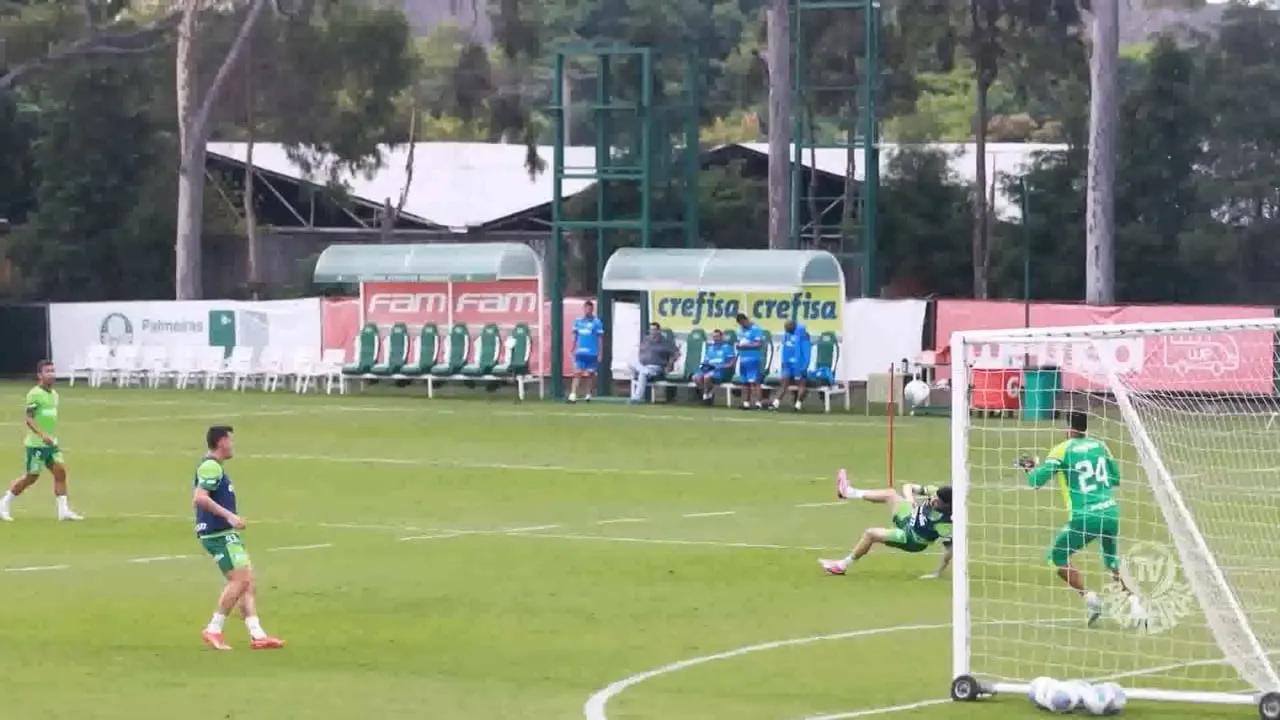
[1104,57]
[194,112]
[981,236]
[250,211]
[778,57]
[186,261]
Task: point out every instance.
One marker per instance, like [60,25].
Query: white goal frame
[960,482]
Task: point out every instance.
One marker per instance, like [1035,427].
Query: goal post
[1188,410]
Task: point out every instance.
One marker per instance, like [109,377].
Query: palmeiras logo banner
[116,330]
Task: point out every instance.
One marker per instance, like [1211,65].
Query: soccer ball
[1096,699]
[916,393]
[1037,691]
[1117,698]
[1059,697]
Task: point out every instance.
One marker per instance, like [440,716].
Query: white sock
[255,627]
[63,507]
[6,500]
[856,494]
[848,559]
[215,622]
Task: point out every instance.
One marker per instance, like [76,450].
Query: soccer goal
[1189,412]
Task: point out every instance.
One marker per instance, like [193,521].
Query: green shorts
[227,550]
[900,536]
[39,458]
[1081,530]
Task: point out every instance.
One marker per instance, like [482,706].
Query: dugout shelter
[691,292]
[439,313]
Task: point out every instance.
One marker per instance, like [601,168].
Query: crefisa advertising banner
[819,308]
[224,324]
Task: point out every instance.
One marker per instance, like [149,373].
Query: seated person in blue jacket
[717,365]
[797,348]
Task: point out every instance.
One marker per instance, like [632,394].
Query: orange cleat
[214,640]
[266,643]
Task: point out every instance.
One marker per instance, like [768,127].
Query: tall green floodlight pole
[1026,263]
[870,146]
[557,238]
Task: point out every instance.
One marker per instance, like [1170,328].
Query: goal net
[1190,413]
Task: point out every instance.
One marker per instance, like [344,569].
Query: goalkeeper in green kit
[1087,473]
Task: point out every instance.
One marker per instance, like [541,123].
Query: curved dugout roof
[680,269]
[450,261]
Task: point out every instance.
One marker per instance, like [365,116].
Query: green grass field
[482,559]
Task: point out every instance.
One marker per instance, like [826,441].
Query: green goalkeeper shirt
[1087,473]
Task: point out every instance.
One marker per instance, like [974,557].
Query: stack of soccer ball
[1064,696]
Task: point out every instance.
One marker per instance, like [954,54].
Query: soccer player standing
[797,348]
[217,524]
[1087,474]
[587,334]
[750,361]
[42,449]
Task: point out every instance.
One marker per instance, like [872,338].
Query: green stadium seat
[486,355]
[456,353]
[422,356]
[826,356]
[515,361]
[367,345]
[397,353]
[694,345]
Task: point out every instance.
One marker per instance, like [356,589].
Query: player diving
[921,517]
[1087,474]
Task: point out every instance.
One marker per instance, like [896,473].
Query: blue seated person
[717,366]
[657,357]
[797,348]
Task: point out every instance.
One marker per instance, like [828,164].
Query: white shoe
[69,515]
[776,404]
[1094,607]
[5,516]
[843,491]
[833,567]
[799,406]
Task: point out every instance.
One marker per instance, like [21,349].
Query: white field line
[530,529]
[880,710]
[832,503]
[299,548]
[620,521]
[35,568]
[157,558]
[166,418]
[716,513]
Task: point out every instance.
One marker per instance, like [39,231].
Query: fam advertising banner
[817,307]
[200,323]
[1206,362]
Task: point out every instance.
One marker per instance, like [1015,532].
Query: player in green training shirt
[1087,474]
[41,446]
[217,528]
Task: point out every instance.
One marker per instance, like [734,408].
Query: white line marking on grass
[880,710]
[367,526]
[158,558]
[619,521]
[439,536]
[720,513]
[296,548]
[662,541]
[36,568]
[533,528]
[821,504]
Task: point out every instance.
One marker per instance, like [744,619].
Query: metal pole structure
[1026,263]
[778,58]
[870,148]
[557,239]
[1100,225]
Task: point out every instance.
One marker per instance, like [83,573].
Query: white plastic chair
[127,364]
[153,364]
[331,363]
[183,365]
[240,367]
[93,365]
[213,366]
[303,367]
[271,367]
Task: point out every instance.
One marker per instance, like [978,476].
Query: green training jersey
[1087,473]
[42,405]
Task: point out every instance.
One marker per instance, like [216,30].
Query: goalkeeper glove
[1026,462]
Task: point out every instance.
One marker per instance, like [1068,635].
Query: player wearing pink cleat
[921,516]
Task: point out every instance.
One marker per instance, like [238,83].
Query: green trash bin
[1040,387]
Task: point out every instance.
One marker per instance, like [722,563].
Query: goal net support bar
[1199,498]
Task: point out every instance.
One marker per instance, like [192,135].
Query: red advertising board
[502,302]
[1208,362]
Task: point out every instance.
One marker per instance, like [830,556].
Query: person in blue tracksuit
[797,349]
